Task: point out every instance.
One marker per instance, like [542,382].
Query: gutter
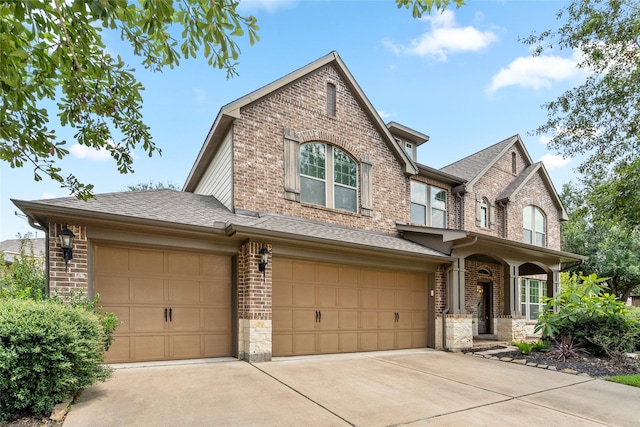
[40,227]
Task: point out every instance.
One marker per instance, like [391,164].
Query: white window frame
[484,213]
[526,297]
[430,192]
[530,213]
[329,182]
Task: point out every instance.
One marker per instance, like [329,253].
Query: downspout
[504,218]
[37,226]
[444,329]
[462,245]
[461,212]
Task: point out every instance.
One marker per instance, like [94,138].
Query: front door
[484,308]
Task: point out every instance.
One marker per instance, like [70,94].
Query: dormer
[408,138]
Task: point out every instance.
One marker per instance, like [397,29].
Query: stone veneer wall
[459,332]
[512,328]
[76,278]
[254,305]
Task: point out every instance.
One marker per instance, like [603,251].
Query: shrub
[591,316]
[25,278]
[526,348]
[48,352]
[566,348]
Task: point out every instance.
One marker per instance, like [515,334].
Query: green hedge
[48,352]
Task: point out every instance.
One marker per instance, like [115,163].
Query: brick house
[306,226]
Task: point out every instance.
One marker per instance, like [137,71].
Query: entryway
[484,308]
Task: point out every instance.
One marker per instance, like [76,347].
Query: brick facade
[301,106]
[74,279]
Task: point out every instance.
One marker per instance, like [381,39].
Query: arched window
[484,212]
[328,177]
[534,226]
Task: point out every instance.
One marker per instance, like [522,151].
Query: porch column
[457,288]
[553,280]
[511,280]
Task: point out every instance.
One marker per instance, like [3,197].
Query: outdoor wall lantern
[66,242]
[479,289]
[264,260]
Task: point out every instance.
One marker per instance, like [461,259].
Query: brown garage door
[172,305]
[330,308]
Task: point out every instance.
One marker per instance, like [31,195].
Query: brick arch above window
[319,135]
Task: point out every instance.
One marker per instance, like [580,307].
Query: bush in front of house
[593,318]
[48,352]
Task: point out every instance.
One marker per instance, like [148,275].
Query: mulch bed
[593,366]
[33,421]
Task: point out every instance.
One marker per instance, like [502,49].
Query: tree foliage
[420,7]
[600,117]
[52,53]
[612,247]
[25,277]
[151,185]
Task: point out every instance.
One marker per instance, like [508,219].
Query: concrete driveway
[412,388]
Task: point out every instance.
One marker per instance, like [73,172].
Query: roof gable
[474,166]
[231,111]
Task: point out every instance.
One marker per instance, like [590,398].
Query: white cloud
[552,161]
[270,6]
[84,152]
[444,38]
[384,114]
[545,139]
[48,196]
[537,72]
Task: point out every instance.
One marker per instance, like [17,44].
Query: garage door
[331,308]
[172,305]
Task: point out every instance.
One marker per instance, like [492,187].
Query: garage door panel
[112,260]
[217,319]
[282,344]
[368,278]
[419,300]
[347,297]
[327,297]
[327,273]
[404,339]
[122,313]
[405,319]
[282,294]
[216,293]
[304,296]
[348,320]
[329,319]
[304,319]
[282,271]
[282,319]
[369,320]
[120,350]
[386,320]
[217,345]
[349,342]
[419,339]
[404,300]
[304,344]
[112,288]
[183,264]
[146,261]
[386,279]
[349,276]
[304,272]
[185,319]
[329,342]
[184,291]
[369,298]
[185,346]
[147,319]
[150,347]
[386,340]
[386,299]
[147,290]
[369,341]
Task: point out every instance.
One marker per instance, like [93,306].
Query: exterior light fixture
[479,289]
[66,242]
[264,260]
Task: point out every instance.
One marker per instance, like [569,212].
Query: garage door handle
[170,314]
[397,316]
[320,316]
[165,314]
[316,316]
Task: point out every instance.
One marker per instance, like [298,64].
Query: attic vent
[331,99]
[514,165]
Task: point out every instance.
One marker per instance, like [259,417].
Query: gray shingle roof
[515,184]
[11,248]
[471,166]
[188,209]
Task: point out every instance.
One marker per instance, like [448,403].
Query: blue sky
[462,77]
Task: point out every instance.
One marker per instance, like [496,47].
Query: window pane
[540,226]
[534,291]
[543,289]
[312,191]
[418,213]
[418,193]
[527,234]
[523,309]
[540,240]
[533,315]
[345,170]
[483,215]
[523,291]
[346,198]
[526,217]
[438,218]
[312,160]
[438,199]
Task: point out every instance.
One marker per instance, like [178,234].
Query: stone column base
[512,328]
[459,332]
[254,340]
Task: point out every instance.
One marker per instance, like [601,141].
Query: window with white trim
[532,292]
[328,177]
[534,226]
[428,205]
[484,213]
